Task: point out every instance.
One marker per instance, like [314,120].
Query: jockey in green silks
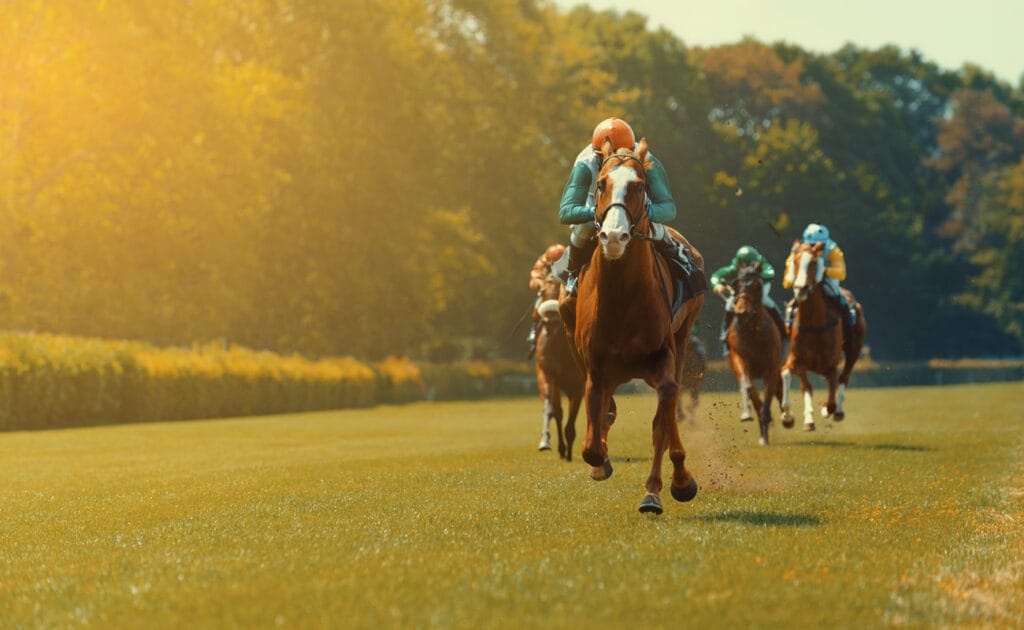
[721,284]
[578,205]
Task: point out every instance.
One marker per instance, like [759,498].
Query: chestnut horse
[816,338]
[623,325]
[557,370]
[755,349]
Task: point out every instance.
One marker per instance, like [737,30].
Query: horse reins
[632,222]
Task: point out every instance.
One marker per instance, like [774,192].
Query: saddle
[687,279]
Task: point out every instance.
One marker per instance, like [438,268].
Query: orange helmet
[616,130]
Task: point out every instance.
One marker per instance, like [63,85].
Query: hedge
[53,381]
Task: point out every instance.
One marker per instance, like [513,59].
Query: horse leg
[805,387]
[784,403]
[740,370]
[595,445]
[829,407]
[570,425]
[544,385]
[771,391]
[556,397]
[765,417]
[665,436]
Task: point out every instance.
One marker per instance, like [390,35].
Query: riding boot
[848,317]
[677,254]
[724,336]
[578,256]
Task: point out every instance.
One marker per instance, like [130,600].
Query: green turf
[907,514]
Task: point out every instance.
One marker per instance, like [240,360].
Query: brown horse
[755,348]
[557,370]
[624,327]
[816,337]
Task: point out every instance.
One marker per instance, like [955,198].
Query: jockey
[835,272]
[578,205]
[721,281]
[538,276]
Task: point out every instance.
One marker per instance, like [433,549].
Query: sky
[949,33]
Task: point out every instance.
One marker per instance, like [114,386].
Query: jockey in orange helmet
[538,276]
[578,204]
[835,272]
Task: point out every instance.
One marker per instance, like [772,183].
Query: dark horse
[624,327]
[557,370]
[816,337]
[755,348]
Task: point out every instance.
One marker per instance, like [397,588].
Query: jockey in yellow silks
[835,272]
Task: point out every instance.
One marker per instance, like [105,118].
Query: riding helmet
[616,130]
[815,233]
[747,255]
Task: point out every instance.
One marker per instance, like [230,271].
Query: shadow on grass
[631,459]
[763,519]
[871,447]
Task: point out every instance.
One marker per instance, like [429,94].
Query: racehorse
[695,365]
[557,370]
[623,325]
[816,338]
[755,349]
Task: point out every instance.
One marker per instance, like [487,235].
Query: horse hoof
[544,447]
[839,416]
[746,418]
[685,494]
[762,441]
[600,473]
[594,458]
[652,504]
[808,426]
[788,422]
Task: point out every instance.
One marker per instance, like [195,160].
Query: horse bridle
[632,222]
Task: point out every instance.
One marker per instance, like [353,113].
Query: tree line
[365,178]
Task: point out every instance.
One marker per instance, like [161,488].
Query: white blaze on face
[614,232]
[801,270]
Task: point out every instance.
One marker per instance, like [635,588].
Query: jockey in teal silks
[578,204]
[721,284]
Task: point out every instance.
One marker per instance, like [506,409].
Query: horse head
[808,268]
[749,292]
[621,198]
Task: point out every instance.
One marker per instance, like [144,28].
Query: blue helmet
[815,233]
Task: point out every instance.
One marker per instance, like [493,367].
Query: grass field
[910,513]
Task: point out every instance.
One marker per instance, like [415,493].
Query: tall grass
[906,514]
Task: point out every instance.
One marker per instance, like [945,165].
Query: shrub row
[52,381]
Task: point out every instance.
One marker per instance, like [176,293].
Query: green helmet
[747,255]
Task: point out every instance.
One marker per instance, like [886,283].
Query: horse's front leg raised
[595,444]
